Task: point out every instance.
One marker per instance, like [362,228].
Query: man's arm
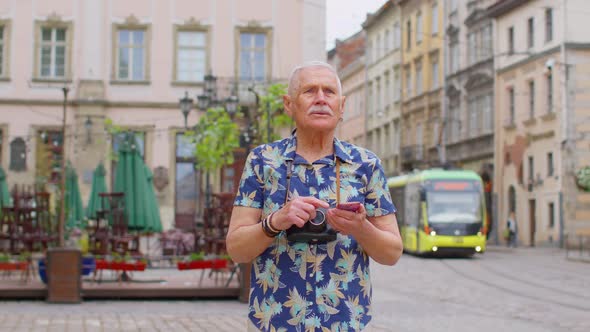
[380,239]
[245,238]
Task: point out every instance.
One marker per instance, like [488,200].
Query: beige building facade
[128,63]
[542,116]
[383,83]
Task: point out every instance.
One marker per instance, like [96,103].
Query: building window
[386,94]
[409,35]
[370,99]
[419,30]
[550,168]
[131,55]
[419,142]
[549,80]
[454,51]
[452,123]
[378,48]
[551,211]
[434,23]
[531,169]
[396,86]
[488,114]
[511,40]
[531,99]
[472,107]
[408,82]
[418,79]
[548,24]
[511,199]
[53,53]
[49,153]
[191,56]
[187,184]
[397,36]
[511,106]
[487,42]
[254,56]
[378,95]
[387,41]
[435,74]
[3,49]
[531,33]
[472,48]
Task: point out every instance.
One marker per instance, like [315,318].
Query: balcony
[412,153]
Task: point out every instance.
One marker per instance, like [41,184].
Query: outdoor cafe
[114,247]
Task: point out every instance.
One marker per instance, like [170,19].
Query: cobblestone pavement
[503,290]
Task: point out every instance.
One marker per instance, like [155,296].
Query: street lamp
[186,104]
[88,125]
[209,99]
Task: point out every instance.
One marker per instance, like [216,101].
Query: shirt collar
[339,149]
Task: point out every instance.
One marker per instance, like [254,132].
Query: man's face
[316,103]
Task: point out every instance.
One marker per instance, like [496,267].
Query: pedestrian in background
[511,227]
[305,279]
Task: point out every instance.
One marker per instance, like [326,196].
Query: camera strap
[290,168]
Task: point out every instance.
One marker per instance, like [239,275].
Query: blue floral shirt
[312,287]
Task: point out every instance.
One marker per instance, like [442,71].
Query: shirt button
[311,275]
[309,303]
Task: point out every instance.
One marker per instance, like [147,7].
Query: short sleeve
[250,191]
[378,199]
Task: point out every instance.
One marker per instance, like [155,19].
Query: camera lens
[319,219]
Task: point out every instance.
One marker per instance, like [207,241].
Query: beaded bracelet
[267,229]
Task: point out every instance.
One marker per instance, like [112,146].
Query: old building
[469,85]
[128,63]
[422,82]
[348,57]
[542,116]
[383,83]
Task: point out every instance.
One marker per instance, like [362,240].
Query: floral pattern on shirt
[312,287]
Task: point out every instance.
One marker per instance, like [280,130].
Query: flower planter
[120,266]
[204,264]
[13,266]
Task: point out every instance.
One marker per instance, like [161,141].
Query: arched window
[511,199]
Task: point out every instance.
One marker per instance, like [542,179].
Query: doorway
[532,222]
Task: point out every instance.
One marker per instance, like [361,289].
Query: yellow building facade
[422,81]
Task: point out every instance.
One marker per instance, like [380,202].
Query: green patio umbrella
[5,198]
[133,178]
[99,185]
[74,207]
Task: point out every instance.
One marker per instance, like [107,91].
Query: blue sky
[344,17]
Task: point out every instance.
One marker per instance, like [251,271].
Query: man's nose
[320,97]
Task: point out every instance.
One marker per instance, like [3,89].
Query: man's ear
[288,105]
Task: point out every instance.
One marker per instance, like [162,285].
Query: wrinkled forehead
[314,75]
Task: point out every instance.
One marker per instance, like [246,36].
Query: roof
[434,173]
[373,18]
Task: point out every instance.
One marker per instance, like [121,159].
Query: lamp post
[186,104]
[209,99]
[88,125]
[62,212]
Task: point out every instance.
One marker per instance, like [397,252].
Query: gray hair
[294,77]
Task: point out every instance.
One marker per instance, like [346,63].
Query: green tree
[278,118]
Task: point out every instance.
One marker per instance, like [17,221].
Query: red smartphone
[350,206]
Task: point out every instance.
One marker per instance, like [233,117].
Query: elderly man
[307,277]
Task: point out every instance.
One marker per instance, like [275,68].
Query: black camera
[316,230]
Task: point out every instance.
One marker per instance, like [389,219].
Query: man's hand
[347,222]
[297,212]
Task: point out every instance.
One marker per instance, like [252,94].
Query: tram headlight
[479,234]
[478,249]
[435,248]
[432,233]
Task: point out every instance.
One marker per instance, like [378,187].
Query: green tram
[440,211]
